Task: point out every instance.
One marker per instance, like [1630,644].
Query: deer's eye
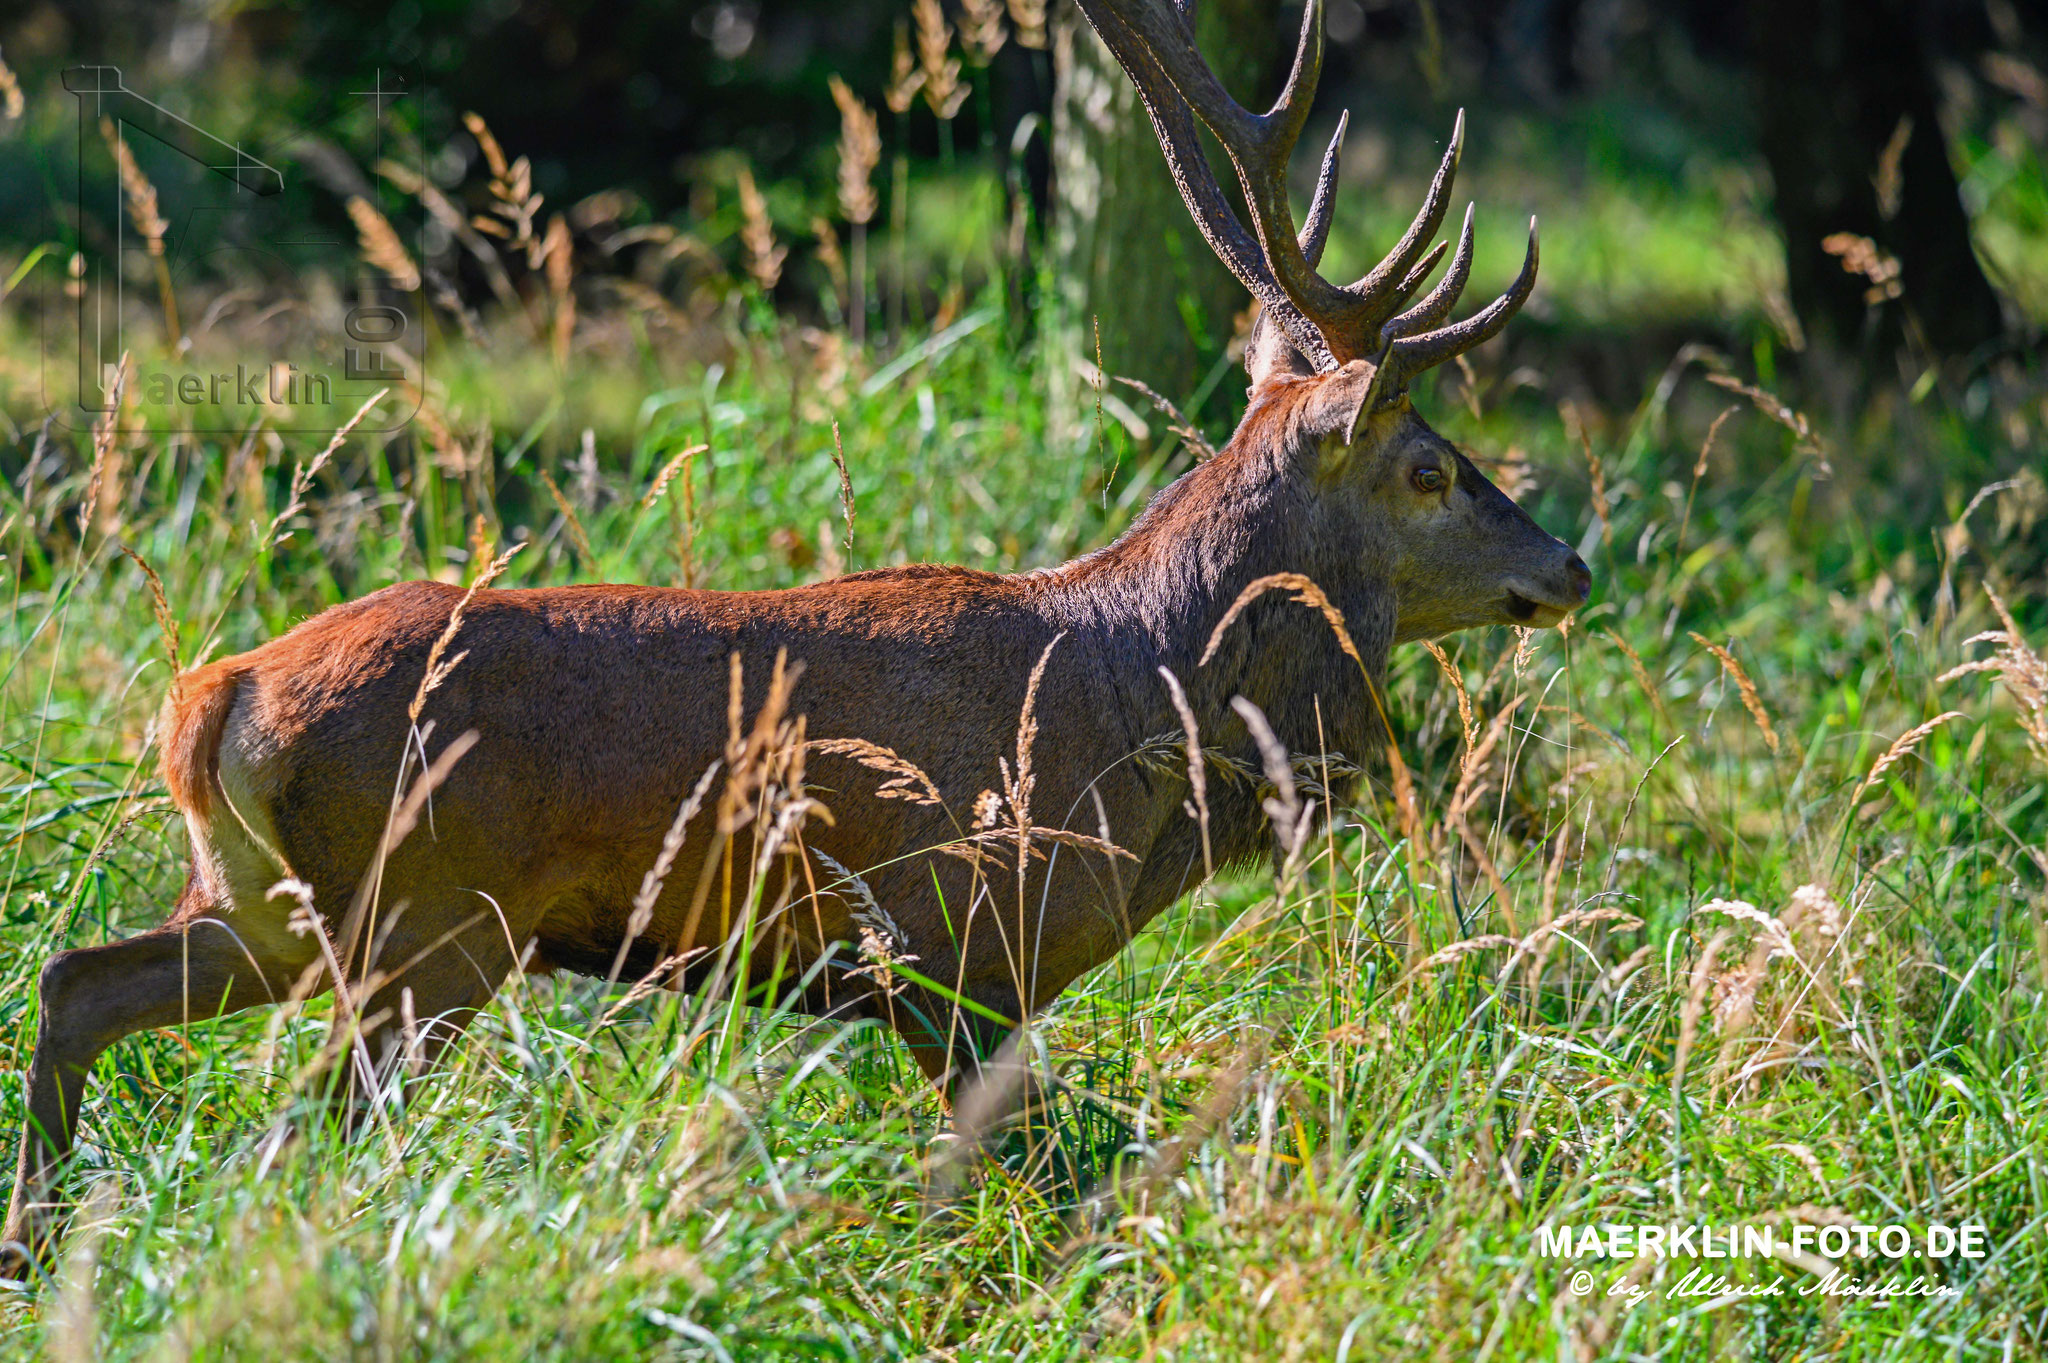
[1429,480]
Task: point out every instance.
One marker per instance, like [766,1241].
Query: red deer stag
[590,714]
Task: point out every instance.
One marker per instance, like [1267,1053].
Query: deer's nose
[1580,577]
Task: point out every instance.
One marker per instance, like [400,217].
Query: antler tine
[1422,271]
[1328,324]
[1438,304]
[1174,123]
[1376,289]
[1258,146]
[1315,232]
[1409,356]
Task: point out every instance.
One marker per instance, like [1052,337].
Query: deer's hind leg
[438,957]
[194,968]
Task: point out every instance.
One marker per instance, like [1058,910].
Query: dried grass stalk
[2023,672]
[166,622]
[437,671]
[1457,681]
[1306,592]
[136,188]
[149,221]
[1176,422]
[846,506]
[1805,438]
[831,257]
[678,462]
[513,199]
[1198,777]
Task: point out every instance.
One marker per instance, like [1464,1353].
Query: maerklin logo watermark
[1879,1273]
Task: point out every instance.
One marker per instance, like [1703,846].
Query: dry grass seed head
[381,246]
[557,256]
[882,939]
[1457,681]
[1750,699]
[657,874]
[1699,467]
[1196,442]
[678,463]
[1805,439]
[1642,676]
[944,91]
[513,198]
[845,486]
[1028,18]
[981,30]
[569,520]
[1291,816]
[2022,671]
[105,428]
[1596,472]
[905,79]
[1900,749]
[136,188]
[829,254]
[757,234]
[11,102]
[166,623]
[860,151]
[438,671]
[907,780]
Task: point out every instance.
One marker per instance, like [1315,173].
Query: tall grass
[1615,958]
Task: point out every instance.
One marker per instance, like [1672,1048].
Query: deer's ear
[1339,410]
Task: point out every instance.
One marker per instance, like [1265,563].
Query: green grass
[1295,1126]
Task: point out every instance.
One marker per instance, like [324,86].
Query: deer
[586,717]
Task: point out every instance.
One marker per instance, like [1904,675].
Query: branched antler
[1329,324]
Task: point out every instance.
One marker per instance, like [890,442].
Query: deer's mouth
[1536,614]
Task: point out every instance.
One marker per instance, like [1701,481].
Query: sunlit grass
[1322,1146]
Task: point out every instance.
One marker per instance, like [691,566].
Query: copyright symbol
[1582,1283]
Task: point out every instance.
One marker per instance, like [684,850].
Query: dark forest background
[1893,150]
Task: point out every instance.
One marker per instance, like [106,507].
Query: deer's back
[597,709]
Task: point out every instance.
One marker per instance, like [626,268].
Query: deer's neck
[1154,597]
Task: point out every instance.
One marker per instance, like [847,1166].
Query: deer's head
[1459,551]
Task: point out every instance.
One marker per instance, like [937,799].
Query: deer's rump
[596,710]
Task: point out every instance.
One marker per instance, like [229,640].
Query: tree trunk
[1125,255]
[1840,82]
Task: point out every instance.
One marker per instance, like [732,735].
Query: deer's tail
[189,731]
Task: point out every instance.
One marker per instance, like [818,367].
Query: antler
[1329,324]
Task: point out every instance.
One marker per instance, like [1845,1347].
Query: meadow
[1723,904]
